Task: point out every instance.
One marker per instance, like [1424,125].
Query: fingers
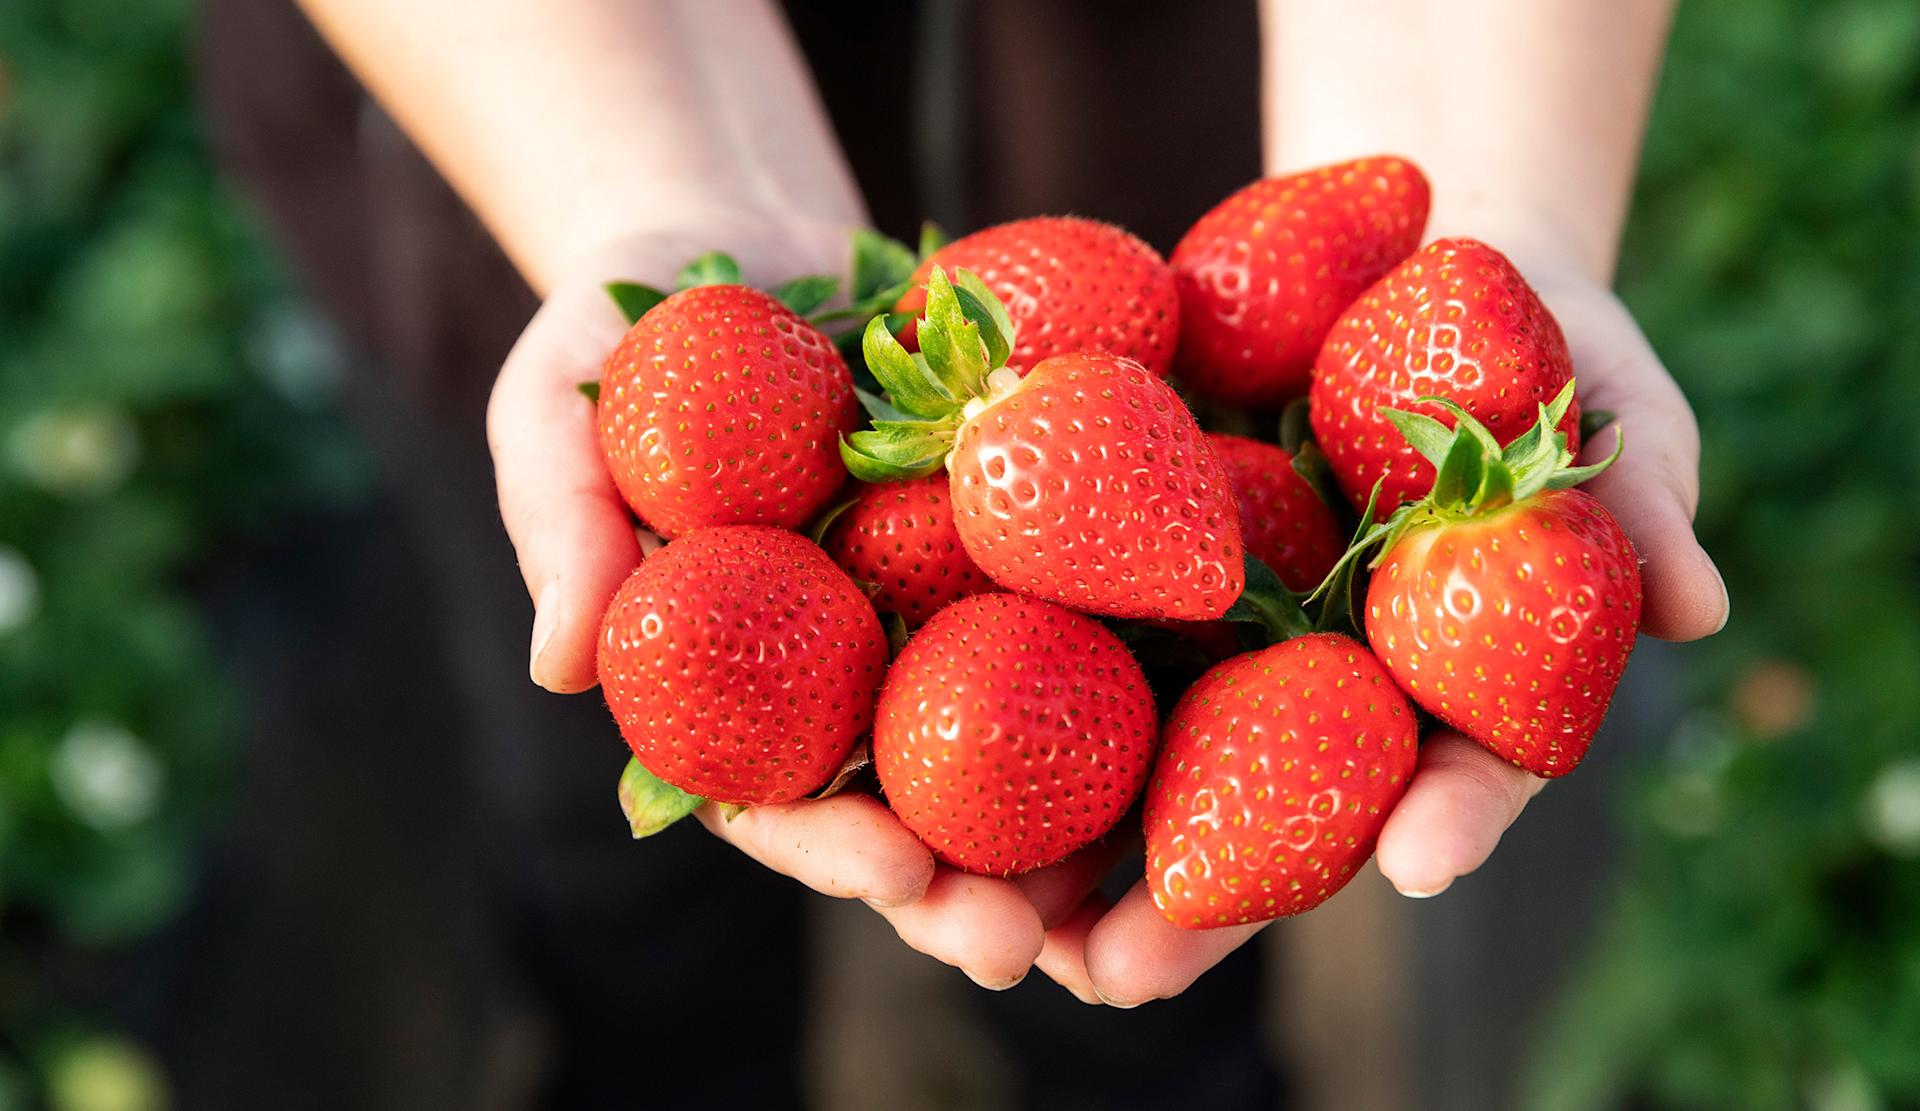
[849,846]
[1058,891]
[567,522]
[981,925]
[1132,955]
[1461,800]
[1064,956]
[1654,487]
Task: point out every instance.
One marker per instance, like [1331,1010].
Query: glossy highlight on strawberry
[1011,733]
[741,664]
[1069,285]
[720,407]
[1276,772]
[1265,274]
[1457,321]
[899,536]
[1090,485]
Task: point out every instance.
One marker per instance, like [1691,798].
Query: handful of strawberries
[1033,591]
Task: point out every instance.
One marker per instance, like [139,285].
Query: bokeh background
[170,415]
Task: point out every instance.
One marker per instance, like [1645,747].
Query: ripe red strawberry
[1011,733]
[1275,774]
[1456,320]
[1505,602]
[1513,627]
[900,537]
[1069,285]
[1267,272]
[1086,483]
[1282,520]
[741,664]
[722,407]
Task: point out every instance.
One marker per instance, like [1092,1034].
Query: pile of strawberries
[1046,591]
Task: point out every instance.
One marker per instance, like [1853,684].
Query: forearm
[570,123]
[1527,116]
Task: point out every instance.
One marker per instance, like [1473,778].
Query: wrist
[771,247]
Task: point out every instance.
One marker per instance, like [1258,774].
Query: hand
[576,543]
[1462,797]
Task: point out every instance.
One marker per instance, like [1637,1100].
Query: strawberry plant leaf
[979,305]
[878,407]
[932,238]
[892,454]
[805,294]
[1568,477]
[896,627]
[650,803]
[634,299]
[909,387]
[955,352]
[880,266]
[1312,467]
[590,391]
[712,268]
[1427,436]
[817,531]
[1296,425]
[1593,420]
[860,757]
[1267,602]
[1459,473]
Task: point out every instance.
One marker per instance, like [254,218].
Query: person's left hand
[1463,797]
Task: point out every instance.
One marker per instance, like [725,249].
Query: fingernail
[1416,893]
[1726,599]
[1090,1000]
[546,615]
[878,903]
[1115,1003]
[995,985]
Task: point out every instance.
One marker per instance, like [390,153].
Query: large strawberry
[1011,733]
[1276,772]
[1456,320]
[1282,520]
[1505,602]
[722,407]
[899,536]
[1265,273]
[1069,285]
[741,664]
[1086,482]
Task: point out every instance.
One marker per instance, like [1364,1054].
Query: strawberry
[1505,602]
[1069,285]
[1011,733]
[1283,522]
[1276,772]
[1086,483]
[719,407]
[1265,273]
[1456,320]
[899,536]
[741,664]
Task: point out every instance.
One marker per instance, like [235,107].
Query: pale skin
[617,138]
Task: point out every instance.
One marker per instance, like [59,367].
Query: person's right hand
[576,543]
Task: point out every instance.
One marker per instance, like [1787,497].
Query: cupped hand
[1462,797]
[576,542]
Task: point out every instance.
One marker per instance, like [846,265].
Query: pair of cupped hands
[576,543]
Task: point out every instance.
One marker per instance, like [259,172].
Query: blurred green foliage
[157,396]
[1764,949]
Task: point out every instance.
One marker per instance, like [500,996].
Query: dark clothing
[436,850]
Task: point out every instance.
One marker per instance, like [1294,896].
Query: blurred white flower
[1892,808]
[76,452]
[106,776]
[107,1074]
[19,590]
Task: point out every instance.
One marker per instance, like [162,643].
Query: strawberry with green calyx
[1505,602]
[1455,320]
[741,665]
[900,537]
[1070,285]
[1276,773]
[1086,483]
[1265,274]
[1012,733]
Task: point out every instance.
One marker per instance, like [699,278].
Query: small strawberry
[1505,602]
[1456,320]
[1267,272]
[1011,733]
[1069,285]
[722,407]
[1282,520]
[741,664]
[1086,482]
[900,537]
[1276,772]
